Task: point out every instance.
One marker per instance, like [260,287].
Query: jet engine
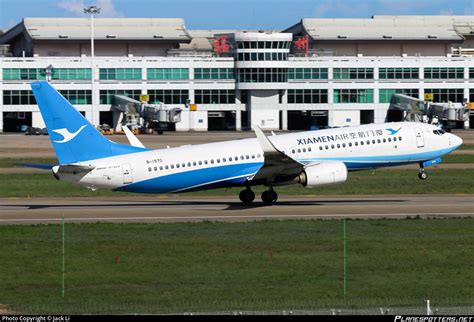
[323,173]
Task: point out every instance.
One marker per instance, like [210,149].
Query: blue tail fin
[73,138]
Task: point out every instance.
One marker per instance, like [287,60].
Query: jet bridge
[143,116]
[411,109]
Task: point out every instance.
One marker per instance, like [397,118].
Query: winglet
[265,143]
[134,141]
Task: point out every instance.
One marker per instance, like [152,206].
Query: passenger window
[183,165]
[230,159]
[394,139]
[149,169]
[373,141]
[361,142]
[299,150]
[200,162]
[343,145]
[241,157]
[332,146]
[218,160]
[389,140]
[189,164]
[253,156]
[356,143]
[309,149]
[258,155]
[194,163]
[338,146]
[368,142]
[172,166]
[384,140]
[247,157]
[350,144]
[212,161]
[161,167]
[378,141]
[293,151]
[205,161]
[304,149]
[320,147]
[399,138]
[224,159]
[327,148]
[166,167]
[177,165]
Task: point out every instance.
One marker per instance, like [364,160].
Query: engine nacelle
[323,173]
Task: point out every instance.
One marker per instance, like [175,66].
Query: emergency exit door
[127,173]
[420,141]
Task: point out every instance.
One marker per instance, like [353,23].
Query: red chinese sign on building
[220,45]
[302,43]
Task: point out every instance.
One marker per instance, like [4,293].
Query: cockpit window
[439,132]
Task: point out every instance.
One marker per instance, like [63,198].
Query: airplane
[311,158]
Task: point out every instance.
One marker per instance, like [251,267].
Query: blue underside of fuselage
[237,174]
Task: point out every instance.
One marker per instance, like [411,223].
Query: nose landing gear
[422,175]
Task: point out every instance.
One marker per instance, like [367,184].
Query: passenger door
[420,141]
[127,173]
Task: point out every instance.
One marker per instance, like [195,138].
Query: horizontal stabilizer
[134,141]
[72,168]
[37,166]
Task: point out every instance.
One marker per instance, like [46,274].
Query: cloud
[76,7]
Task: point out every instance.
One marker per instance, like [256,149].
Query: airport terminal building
[316,73]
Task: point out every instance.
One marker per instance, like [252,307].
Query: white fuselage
[233,163]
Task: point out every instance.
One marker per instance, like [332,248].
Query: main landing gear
[247,196]
[422,174]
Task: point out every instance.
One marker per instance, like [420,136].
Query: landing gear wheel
[423,175]
[269,196]
[247,196]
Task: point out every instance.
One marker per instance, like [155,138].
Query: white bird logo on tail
[68,136]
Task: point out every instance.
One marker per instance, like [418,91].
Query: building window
[71,74]
[106,95]
[214,96]
[471,73]
[77,97]
[385,95]
[262,56]
[168,96]
[307,96]
[263,75]
[353,73]
[399,73]
[444,95]
[307,73]
[353,96]
[444,73]
[25,97]
[24,74]
[214,73]
[120,74]
[167,73]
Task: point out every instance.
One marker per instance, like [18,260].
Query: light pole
[92,10]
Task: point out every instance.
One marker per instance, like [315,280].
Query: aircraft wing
[276,163]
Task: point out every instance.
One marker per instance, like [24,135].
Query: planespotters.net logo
[400,318]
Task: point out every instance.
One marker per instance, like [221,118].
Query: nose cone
[456,141]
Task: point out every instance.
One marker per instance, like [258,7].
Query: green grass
[466,147]
[210,266]
[361,182]
[458,158]
[13,162]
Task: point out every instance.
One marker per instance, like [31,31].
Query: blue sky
[232,14]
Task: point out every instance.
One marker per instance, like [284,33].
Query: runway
[195,209]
